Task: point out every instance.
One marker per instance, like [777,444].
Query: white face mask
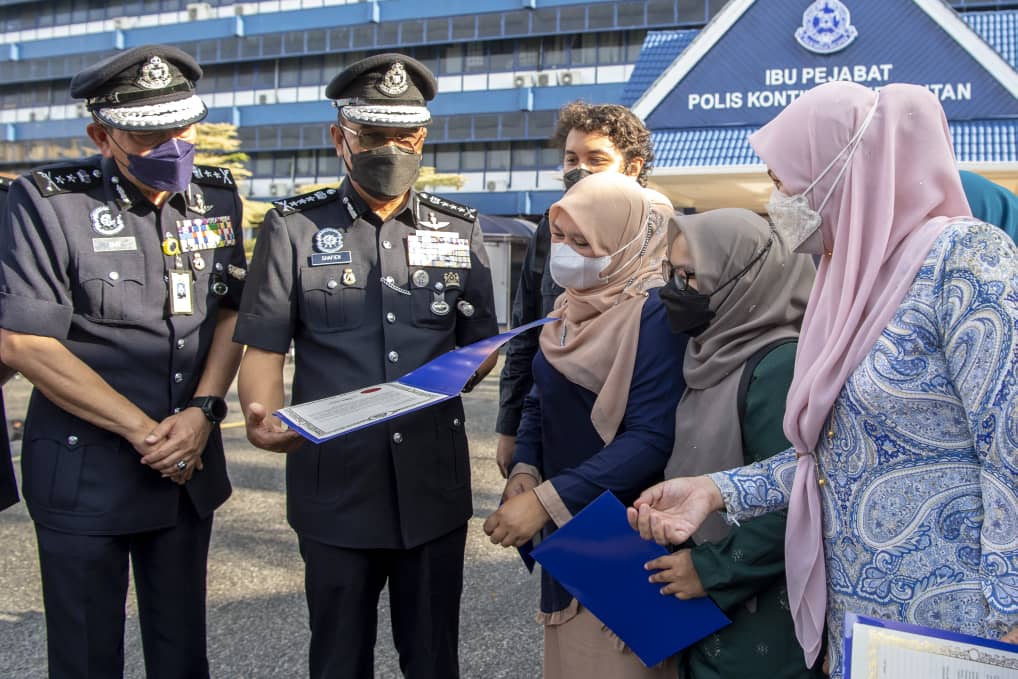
[794,219]
[570,269]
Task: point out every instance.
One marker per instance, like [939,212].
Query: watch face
[217,406]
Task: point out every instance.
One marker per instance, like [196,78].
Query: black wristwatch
[214,407]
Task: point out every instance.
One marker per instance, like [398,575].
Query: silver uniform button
[390,280]
[219,266]
[456,422]
[387,245]
[393,356]
[178,377]
[397,438]
[331,285]
[72,440]
[180,344]
[114,275]
[176,410]
[390,317]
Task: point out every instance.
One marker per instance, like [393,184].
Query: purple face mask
[167,167]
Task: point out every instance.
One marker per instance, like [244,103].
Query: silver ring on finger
[182,465]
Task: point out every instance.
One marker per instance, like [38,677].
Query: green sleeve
[752,556]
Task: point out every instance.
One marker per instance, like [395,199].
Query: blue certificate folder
[599,559]
[438,380]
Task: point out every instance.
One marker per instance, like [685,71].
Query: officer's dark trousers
[425,584]
[84,587]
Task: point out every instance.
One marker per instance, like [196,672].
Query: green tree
[217,144]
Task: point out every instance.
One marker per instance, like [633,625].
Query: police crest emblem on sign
[826,27]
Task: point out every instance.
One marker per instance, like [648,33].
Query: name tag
[120,244]
[324,259]
[205,233]
[445,250]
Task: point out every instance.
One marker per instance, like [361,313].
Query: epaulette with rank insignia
[287,206]
[447,206]
[66,178]
[211,175]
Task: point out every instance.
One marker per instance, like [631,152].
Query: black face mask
[386,172]
[570,178]
[688,310]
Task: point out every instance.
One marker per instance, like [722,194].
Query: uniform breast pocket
[434,305]
[332,298]
[111,287]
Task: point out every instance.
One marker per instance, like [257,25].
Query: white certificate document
[876,650]
[329,417]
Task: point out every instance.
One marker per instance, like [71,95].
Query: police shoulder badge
[104,223]
[429,201]
[305,201]
[155,75]
[57,179]
[826,27]
[395,81]
[212,175]
[328,241]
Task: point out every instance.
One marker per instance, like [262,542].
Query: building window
[475,59]
[339,38]
[517,23]
[583,51]
[572,18]
[609,49]
[661,12]
[438,30]
[524,157]
[464,27]
[472,158]
[489,25]
[388,34]
[447,160]
[452,59]
[601,16]
[498,158]
[630,14]
[412,32]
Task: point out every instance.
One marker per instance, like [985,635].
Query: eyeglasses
[677,275]
[372,138]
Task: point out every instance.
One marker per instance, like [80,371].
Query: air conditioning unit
[197,11]
[542,79]
[31,116]
[240,9]
[519,81]
[123,23]
[491,186]
[568,78]
[263,98]
[495,185]
[273,189]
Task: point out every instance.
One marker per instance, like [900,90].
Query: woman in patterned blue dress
[902,483]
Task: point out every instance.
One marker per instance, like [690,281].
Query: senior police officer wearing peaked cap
[370,281]
[119,288]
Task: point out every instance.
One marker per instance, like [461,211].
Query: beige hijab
[593,344]
[765,304]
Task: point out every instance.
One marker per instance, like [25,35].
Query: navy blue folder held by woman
[599,559]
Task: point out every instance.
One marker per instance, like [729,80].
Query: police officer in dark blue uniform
[119,283]
[8,483]
[370,281]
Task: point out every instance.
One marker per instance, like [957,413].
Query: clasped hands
[520,516]
[181,437]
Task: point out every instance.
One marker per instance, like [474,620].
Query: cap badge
[155,75]
[395,81]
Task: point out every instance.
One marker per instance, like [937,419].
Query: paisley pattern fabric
[920,459]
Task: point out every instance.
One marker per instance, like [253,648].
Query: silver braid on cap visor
[182,111]
[382,116]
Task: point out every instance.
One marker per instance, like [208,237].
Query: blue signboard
[779,49]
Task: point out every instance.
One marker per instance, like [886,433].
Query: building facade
[504,68]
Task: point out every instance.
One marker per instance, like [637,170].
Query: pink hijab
[895,198]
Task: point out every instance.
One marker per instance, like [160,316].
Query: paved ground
[257,615]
